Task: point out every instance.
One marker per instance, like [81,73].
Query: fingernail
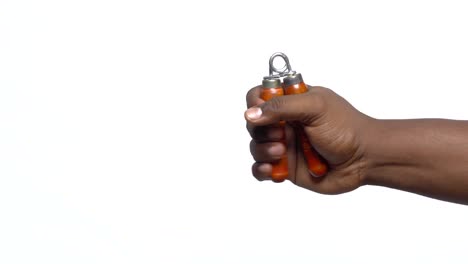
[253,113]
[265,170]
[277,150]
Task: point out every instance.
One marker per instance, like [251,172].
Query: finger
[266,133]
[262,171]
[303,177]
[333,183]
[253,96]
[267,152]
[305,108]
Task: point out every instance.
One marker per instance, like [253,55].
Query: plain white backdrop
[122,138]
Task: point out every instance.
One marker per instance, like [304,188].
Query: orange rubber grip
[316,164]
[280,168]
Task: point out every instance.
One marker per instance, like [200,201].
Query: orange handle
[280,168]
[316,164]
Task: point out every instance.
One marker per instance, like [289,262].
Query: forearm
[424,156]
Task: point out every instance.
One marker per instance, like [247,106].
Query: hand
[334,127]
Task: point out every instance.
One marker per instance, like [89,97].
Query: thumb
[304,108]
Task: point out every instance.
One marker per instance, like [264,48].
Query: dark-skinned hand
[333,126]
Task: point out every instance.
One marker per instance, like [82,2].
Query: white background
[122,138]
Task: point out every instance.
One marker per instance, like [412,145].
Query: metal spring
[283,71]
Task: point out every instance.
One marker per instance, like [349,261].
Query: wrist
[386,151]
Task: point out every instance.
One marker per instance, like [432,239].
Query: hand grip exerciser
[272,88]
[292,83]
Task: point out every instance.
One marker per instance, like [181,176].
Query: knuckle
[260,152]
[255,172]
[252,95]
[250,129]
[274,105]
[253,148]
[259,173]
[258,133]
[318,101]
